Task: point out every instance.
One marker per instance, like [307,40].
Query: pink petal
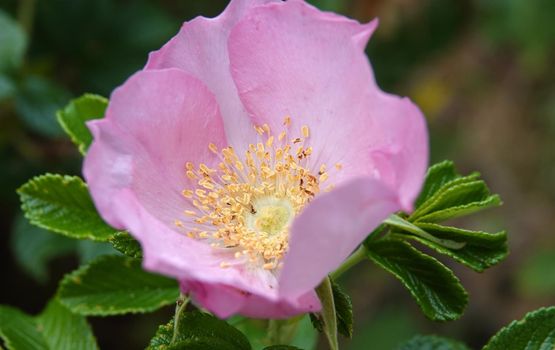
[157,121]
[225,301]
[200,49]
[329,229]
[291,59]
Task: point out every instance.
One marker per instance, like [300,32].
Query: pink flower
[254,153]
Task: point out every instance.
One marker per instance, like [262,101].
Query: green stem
[355,258]
[180,306]
[26,14]
[282,332]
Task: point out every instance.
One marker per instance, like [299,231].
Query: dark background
[481,70]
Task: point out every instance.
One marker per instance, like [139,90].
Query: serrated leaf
[328,316]
[74,116]
[461,210]
[435,288]
[62,204]
[19,331]
[431,342]
[198,331]
[480,251]
[36,103]
[536,331]
[33,247]
[113,285]
[343,312]
[126,244]
[63,330]
[453,194]
[14,43]
[438,175]
[54,329]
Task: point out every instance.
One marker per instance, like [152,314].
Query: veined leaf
[198,331]
[480,251]
[113,285]
[63,330]
[343,311]
[19,331]
[431,342]
[62,204]
[452,195]
[438,175]
[74,116]
[435,288]
[461,210]
[328,314]
[126,244]
[536,331]
[56,328]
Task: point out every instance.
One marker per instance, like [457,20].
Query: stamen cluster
[247,202]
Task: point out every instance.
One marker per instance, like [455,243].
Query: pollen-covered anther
[247,202]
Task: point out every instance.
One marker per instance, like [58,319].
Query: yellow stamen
[249,201]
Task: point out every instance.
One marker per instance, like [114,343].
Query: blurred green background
[481,70]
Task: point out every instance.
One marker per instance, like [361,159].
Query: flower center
[272,217]
[248,202]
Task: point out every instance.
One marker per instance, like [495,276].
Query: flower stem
[282,332]
[180,306]
[355,258]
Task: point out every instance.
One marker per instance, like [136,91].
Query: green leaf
[198,331]
[282,347]
[480,251]
[63,330]
[113,285]
[462,210]
[536,331]
[436,199]
[54,329]
[435,288]
[19,330]
[14,43]
[80,110]
[37,101]
[34,247]
[438,175]
[431,342]
[126,244]
[327,316]
[460,197]
[343,311]
[62,204]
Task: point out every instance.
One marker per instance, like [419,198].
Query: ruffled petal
[290,59]
[200,49]
[225,301]
[155,123]
[135,168]
[329,229]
